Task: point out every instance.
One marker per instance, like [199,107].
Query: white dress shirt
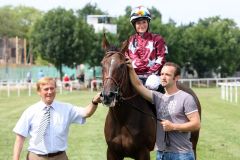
[61,116]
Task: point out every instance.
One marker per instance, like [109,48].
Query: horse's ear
[124,46]
[105,44]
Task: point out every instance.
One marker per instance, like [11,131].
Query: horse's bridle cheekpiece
[117,93]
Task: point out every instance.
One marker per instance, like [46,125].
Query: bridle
[118,92]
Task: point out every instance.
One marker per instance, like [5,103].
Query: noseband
[117,92]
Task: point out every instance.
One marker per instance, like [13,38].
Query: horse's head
[114,72]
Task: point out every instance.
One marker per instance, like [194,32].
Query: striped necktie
[43,125]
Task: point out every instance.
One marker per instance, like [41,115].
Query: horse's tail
[187,89]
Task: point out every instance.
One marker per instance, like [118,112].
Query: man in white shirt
[54,137]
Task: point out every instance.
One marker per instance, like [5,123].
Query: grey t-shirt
[174,108]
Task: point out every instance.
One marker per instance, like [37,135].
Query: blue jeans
[174,156]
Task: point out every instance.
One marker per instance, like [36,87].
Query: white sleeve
[77,114]
[23,125]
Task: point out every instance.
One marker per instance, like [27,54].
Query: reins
[139,110]
[166,136]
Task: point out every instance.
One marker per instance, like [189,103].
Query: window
[104,20]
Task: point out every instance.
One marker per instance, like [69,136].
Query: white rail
[208,82]
[11,86]
[19,87]
[229,91]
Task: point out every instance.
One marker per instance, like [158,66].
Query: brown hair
[44,81]
[176,66]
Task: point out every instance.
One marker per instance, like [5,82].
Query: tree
[57,37]
[211,43]
[17,21]
[93,40]
[89,9]
[8,23]
[124,28]
[63,38]
[208,45]
[85,42]
[155,14]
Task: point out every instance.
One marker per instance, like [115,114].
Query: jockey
[146,50]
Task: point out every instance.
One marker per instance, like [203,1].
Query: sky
[181,11]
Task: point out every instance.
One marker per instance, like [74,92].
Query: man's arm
[143,91]
[192,125]
[91,108]
[18,147]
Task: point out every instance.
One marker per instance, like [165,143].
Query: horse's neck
[118,114]
[127,89]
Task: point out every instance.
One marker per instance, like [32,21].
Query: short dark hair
[176,66]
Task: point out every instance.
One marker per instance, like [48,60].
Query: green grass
[219,137]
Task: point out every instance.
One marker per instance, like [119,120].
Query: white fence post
[8,89]
[71,86]
[223,92]
[231,94]
[0,86]
[29,89]
[226,86]
[18,89]
[228,89]
[236,94]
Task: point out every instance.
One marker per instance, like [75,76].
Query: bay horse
[130,126]
[130,129]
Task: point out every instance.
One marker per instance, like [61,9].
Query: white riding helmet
[138,13]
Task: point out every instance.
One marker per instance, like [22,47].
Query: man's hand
[167,125]
[129,62]
[97,98]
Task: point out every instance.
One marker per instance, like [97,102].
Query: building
[102,23]
[13,51]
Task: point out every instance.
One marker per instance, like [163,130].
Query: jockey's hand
[129,62]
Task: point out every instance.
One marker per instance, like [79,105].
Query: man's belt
[51,154]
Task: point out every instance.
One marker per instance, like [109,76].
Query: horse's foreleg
[111,155]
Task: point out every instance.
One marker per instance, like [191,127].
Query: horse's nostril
[108,97]
[111,94]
